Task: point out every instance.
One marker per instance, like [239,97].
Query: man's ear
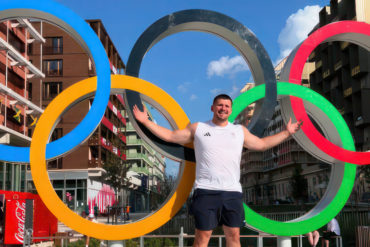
[211,108]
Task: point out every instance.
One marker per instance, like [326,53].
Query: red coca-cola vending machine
[15,218]
[26,212]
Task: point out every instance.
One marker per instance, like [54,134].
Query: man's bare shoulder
[192,127]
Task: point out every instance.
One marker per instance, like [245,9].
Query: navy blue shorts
[212,208]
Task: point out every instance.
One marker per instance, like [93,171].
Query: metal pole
[219,241]
[141,241]
[260,241]
[181,237]
[283,241]
[25,239]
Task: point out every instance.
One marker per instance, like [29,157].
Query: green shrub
[81,243]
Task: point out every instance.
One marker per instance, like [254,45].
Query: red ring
[312,41]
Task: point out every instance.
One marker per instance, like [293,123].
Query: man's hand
[140,116]
[292,128]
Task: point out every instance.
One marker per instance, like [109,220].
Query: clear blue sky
[182,64]
[193,67]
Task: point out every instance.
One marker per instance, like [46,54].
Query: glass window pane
[2,168]
[81,183]
[71,183]
[81,194]
[58,184]
[8,177]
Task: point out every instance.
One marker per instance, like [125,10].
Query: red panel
[45,224]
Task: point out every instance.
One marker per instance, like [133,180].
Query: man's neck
[219,122]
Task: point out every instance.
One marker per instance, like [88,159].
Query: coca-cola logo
[20,214]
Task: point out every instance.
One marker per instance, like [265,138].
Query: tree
[116,171]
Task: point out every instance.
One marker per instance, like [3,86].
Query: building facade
[17,113]
[146,172]
[80,178]
[338,71]
[341,75]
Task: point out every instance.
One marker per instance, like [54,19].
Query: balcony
[95,162]
[252,167]
[31,30]
[14,137]
[140,142]
[113,108]
[20,60]
[52,50]
[113,129]
[140,170]
[20,98]
[139,156]
[94,141]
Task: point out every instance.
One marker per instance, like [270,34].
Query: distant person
[128,207]
[218,144]
[86,211]
[313,238]
[96,211]
[332,231]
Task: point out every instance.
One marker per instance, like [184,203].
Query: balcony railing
[52,50]
[140,170]
[146,145]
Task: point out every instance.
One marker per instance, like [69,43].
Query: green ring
[291,228]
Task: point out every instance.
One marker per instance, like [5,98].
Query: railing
[64,240]
[140,170]
[141,156]
[348,220]
[146,145]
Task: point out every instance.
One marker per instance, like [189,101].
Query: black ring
[226,28]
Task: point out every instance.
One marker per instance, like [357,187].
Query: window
[54,45]
[16,42]
[29,91]
[53,67]
[57,163]
[57,133]
[51,89]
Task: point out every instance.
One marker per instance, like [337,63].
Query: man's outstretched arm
[183,136]
[261,144]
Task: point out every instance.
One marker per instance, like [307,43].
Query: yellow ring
[46,191]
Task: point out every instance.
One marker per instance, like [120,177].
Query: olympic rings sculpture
[333,126]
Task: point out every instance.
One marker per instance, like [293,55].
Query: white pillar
[283,241]
[115,243]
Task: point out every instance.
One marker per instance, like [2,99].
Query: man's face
[221,109]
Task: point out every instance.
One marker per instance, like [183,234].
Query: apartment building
[79,178]
[341,74]
[273,176]
[146,172]
[339,71]
[17,113]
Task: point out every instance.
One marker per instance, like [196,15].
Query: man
[333,230]
[218,146]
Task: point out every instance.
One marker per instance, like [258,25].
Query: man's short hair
[222,96]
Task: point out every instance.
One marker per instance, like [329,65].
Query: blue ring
[87,126]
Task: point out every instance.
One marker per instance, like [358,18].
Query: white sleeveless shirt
[218,152]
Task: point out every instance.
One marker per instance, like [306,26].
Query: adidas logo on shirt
[207,134]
